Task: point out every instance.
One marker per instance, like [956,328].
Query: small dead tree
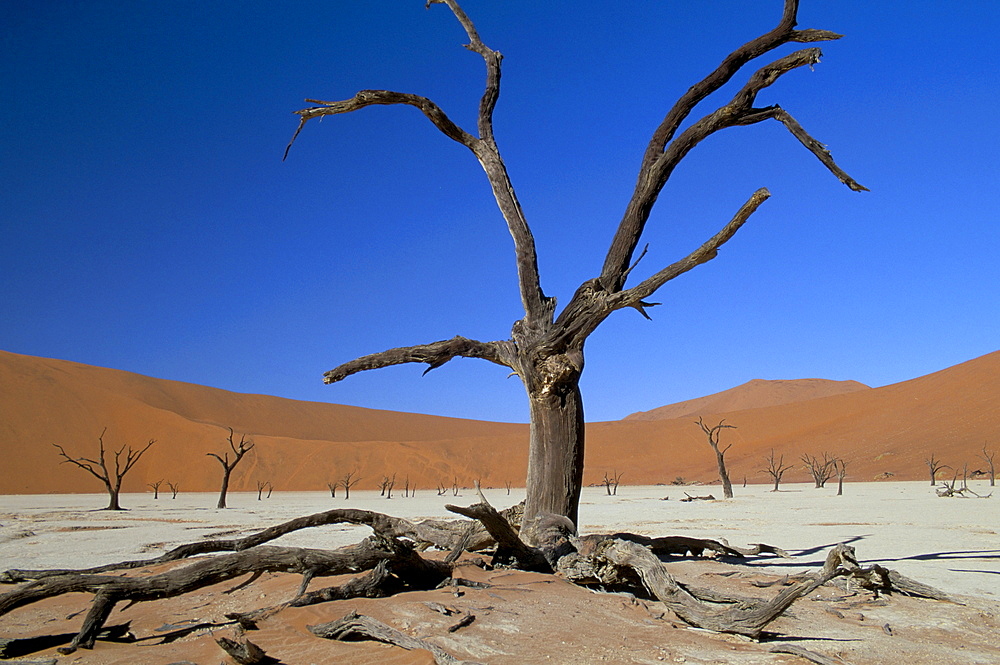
[507,485]
[156,488]
[264,485]
[333,488]
[174,489]
[934,465]
[386,485]
[611,482]
[112,478]
[821,470]
[775,468]
[840,468]
[987,457]
[720,454]
[349,480]
[239,451]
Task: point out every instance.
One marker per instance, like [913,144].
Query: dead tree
[112,478]
[840,468]
[545,349]
[264,485]
[611,482]
[821,470]
[720,455]
[934,465]
[174,489]
[245,446]
[333,488]
[987,457]
[156,488]
[386,486]
[349,480]
[775,468]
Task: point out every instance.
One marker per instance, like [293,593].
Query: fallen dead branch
[359,627]
[441,534]
[811,656]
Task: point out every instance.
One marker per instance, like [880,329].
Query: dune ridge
[305,445]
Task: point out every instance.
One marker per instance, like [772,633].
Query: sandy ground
[953,544]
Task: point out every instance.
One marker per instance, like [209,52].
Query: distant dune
[754,394]
[305,445]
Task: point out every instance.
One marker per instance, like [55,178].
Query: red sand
[304,445]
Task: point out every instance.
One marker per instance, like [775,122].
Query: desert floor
[950,543]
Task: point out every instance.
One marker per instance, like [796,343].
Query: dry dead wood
[442,534]
[244,652]
[683,545]
[359,627]
[617,561]
[110,590]
[811,656]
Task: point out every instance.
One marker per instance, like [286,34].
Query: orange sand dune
[751,395]
[305,445]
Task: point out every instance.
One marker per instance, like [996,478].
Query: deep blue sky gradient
[147,222]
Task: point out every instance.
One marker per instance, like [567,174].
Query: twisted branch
[434,354]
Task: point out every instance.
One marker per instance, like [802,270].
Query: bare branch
[365,98]
[664,151]
[82,462]
[434,354]
[707,252]
[811,144]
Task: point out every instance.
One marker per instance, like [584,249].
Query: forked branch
[665,150]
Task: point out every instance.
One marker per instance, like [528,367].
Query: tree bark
[727,486]
[113,503]
[224,490]
[555,457]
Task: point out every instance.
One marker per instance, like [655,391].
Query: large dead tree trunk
[545,350]
[555,455]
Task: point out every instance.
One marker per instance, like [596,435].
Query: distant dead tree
[840,468]
[239,451]
[987,457]
[820,470]
[386,486]
[611,482]
[349,480]
[934,465]
[454,486]
[174,489]
[507,485]
[264,485]
[720,455]
[98,468]
[333,488]
[775,468]
[156,488]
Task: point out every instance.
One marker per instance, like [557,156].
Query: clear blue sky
[149,224]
